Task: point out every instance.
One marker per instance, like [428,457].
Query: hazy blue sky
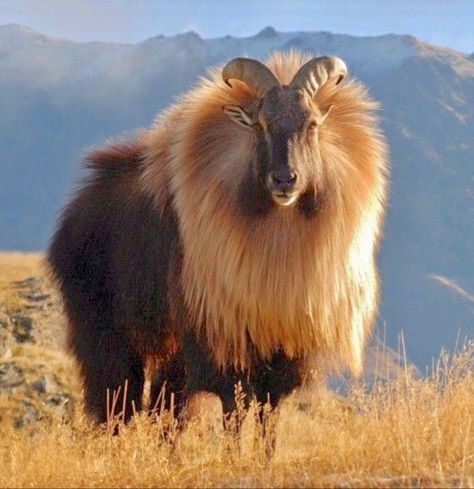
[447,22]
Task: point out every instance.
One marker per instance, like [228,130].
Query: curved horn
[252,72]
[317,72]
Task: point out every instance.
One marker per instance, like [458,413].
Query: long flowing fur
[282,280]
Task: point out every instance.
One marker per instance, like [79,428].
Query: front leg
[203,375]
[276,378]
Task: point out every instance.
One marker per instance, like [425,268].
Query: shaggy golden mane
[306,285]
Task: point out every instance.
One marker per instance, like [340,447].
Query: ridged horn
[252,72]
[317,71]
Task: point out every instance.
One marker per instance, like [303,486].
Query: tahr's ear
[324,112]
[238,115]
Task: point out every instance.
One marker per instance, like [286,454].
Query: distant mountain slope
[58,97]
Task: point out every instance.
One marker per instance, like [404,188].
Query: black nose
[283,180]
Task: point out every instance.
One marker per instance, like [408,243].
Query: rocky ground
[37,377]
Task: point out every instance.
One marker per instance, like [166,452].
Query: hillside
[38,380]
[59,97]
[406,432]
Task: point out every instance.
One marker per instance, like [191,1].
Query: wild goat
[232,241]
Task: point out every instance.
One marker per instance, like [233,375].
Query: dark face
[285,124]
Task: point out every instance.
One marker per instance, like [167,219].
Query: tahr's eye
[312,126]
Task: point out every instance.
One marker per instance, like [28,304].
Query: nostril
[285,179]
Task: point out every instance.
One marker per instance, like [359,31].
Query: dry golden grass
[13,267]
[17,266]
[407,431]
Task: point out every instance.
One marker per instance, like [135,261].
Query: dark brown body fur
[117,260]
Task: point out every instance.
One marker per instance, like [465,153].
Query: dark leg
[202,375]
[169,379]
[276,378]
[108,364]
